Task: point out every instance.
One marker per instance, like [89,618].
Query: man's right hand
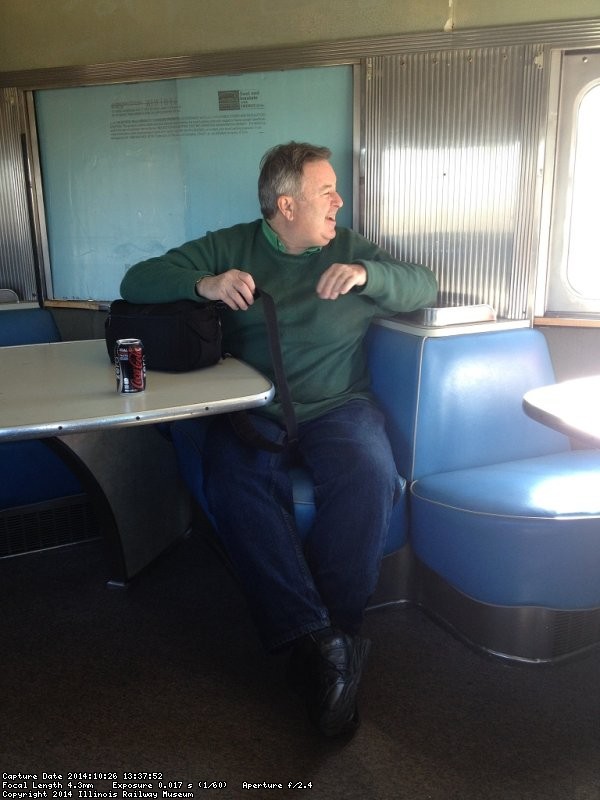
[235,288]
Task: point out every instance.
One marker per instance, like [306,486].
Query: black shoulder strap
[289,415]
[241,422]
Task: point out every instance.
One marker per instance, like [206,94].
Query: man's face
[315,209]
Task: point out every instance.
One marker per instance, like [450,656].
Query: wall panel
[449,143]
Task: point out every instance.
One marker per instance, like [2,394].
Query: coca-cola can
[130,366]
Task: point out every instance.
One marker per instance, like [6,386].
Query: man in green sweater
[328,284]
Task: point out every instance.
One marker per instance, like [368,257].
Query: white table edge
[64,427]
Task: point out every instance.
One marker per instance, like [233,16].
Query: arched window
[573,274]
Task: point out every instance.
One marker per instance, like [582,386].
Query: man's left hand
[340,279]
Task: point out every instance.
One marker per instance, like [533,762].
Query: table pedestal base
[133,482]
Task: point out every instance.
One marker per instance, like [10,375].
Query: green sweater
[321,340]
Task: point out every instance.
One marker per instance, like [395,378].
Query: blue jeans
[295,587]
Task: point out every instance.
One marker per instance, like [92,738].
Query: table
[65,393]
[571,407]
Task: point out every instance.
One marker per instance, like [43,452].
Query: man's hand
[339,279]
[234,288]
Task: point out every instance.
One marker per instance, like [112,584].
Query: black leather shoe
[325,668]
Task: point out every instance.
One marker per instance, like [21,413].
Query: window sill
[565,322]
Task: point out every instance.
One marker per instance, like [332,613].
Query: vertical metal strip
[17,269]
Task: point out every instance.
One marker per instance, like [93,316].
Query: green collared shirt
[276,242]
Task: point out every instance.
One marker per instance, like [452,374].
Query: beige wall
[49,33]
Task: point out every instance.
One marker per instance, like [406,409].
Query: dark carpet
[167,676]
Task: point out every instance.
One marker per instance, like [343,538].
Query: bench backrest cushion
[27,326]
[455,401]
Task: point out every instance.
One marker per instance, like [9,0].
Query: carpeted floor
[167,676]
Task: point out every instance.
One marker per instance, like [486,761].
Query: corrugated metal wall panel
[448,142]
[16,253]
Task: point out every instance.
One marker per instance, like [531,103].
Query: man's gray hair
[281,170]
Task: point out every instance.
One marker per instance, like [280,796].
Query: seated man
[328,284]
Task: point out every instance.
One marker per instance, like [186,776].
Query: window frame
[568,85]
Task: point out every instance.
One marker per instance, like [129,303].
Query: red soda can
[130,366]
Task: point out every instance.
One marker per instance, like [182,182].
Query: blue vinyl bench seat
[516,533]
[27,326]
[32,473]
[504,513]
[32,477]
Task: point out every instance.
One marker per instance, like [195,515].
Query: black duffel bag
[177,337]
[183,335]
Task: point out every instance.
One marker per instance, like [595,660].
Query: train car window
[573,284]
[584,210]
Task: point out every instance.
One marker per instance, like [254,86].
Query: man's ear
[285,204]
